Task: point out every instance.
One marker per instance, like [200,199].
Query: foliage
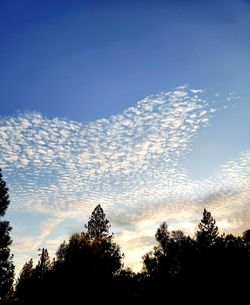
[208,231]
[89,267]
[98,226]
[88,260]
[6,264]
[25,281]
[4,196]
[180,263]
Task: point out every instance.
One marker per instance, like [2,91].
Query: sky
[140,106]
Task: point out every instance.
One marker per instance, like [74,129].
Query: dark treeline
[88,268]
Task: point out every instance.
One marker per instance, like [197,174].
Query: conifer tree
[43,265]
[98,225]
[6,264]
[26,272]
[89,261]
[208,231]
[24,281]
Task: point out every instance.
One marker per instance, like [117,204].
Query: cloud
[52,165]
[227,196]
[32,243]
[130,163]
[26,246]
[134,244]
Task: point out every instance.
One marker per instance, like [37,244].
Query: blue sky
[142,106]
[89,59]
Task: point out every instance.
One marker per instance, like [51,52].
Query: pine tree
[163,236]
[208,231]
[89,261]
[4,196]
[26,272]
[32,285]
[98,225]
[6,264]
[43,265]
[24,281]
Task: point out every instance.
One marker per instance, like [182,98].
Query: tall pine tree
[86,265]
[6,264]
[208,231]
[24,282]
[43,265]
[98,225]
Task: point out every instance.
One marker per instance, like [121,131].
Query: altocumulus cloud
[60,166]
[130,163]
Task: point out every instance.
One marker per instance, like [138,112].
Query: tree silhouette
[208,231]
[25,282]
[89,259]
[163,236]
[246,236]
[43,265]
[4,196]
[98,226]
[26,271]
[6,264]
[166,259]
[89,267]
[96,243]
[33,282]
[169,266]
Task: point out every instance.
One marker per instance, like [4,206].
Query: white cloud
[26,246]
[32,243]
[130,163]
[61,162]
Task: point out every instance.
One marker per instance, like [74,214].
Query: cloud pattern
[109,160]
[130,163]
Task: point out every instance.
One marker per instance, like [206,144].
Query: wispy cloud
[26,246]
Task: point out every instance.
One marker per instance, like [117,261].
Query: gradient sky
[142,106]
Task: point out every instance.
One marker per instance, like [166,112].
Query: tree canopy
[208,231]
[6,263]
[98,226]
[88,266]
[84,264]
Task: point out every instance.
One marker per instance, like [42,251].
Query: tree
[208,231]
[6,264]
[163,236]
[94,245]
[246,236]
[25,273]
[24,281]
[169,265]
[43,265]
[33,283]
[166,261]
[89,260]
[98,225]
